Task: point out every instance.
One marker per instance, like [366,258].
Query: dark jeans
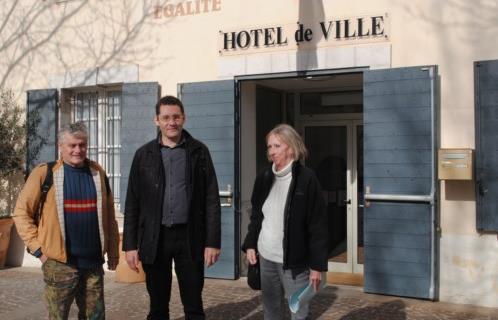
[173,247]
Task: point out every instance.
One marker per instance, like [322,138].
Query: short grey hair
[77,129]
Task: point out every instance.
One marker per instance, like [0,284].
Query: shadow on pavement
[322,302]
[247,310]
[252,309]
[392,310]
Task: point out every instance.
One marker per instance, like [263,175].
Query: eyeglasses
[175,118]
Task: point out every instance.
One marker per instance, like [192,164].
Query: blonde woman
[288,228]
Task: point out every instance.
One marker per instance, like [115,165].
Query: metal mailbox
[456,164]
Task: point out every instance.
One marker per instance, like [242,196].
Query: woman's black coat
[305,219]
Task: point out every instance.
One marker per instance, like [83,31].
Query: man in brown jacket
[77,227]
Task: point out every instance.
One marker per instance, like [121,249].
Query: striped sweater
[80,218]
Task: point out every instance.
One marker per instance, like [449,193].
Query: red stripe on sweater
[80,209]
[72,201]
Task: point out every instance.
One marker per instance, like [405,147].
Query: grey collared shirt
[175,206]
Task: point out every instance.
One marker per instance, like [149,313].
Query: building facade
[397,103]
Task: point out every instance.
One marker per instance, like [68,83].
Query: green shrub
[12,134]
[12,150]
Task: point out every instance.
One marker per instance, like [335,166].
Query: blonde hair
[290,137]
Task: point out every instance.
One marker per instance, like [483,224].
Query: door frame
[238,80]
[355,204]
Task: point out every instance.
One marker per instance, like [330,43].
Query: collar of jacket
[159,140]
[190,143]
[91,164]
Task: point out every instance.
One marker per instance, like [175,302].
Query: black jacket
[305,219]
[144,200]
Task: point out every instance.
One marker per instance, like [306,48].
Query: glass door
[335,154]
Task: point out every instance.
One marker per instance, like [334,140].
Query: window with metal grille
[100,109]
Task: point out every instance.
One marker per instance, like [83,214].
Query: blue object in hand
[304,294]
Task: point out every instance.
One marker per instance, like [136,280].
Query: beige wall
[73,40]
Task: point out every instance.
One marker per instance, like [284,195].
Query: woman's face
[280,153]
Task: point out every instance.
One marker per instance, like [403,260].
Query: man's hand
[112,264]
[251,256]
[132,259]
[315,279]
[43,258]
[211,256]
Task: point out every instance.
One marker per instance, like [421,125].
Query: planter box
[17,250]
[5,227]
[123,272]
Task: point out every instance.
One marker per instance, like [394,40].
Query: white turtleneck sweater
[270,241]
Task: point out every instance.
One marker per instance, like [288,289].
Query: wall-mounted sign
[185,8]
[321,33]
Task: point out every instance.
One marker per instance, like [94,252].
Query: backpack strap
[107,184]
[47,184]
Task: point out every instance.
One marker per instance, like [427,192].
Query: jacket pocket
[59,275]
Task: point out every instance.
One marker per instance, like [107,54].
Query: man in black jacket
[172,212]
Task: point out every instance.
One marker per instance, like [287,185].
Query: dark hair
[168,101]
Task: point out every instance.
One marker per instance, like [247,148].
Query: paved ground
[21,298]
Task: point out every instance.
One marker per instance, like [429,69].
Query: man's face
[170,121]
[73,150]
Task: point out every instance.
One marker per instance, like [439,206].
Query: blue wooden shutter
[486,117]
[209,107]
[400,141]
[138,110]
[42,118]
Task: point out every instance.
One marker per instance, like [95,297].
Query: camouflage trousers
[64,284]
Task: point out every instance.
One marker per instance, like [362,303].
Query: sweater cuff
[38,253]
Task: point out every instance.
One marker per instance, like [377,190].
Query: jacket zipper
[288,203]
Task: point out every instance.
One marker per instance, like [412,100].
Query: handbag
[254,276]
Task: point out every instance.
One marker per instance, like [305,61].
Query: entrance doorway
[327,112]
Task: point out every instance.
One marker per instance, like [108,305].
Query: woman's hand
[315,279]
[251,256]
